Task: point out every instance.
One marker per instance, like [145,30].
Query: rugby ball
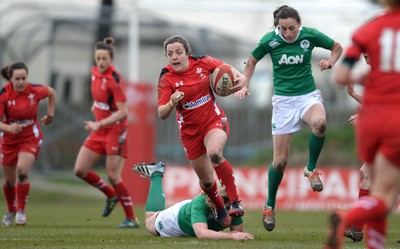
[222,79]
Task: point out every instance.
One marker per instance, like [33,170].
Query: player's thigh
[386,184]
[86,159]
[114,166]
[281,146]
[150,218]
[9,174]
[25,161]
[203,168]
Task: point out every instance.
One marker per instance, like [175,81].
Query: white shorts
[166,222]
[288,111]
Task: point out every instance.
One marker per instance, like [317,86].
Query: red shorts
[194,145]
[108,142]
[378,130]
[9,153]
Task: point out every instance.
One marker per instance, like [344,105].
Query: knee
[80,173]
[114,180]
[319,127]
[280,165]
[206,184]
[9,184]
[362,177]
[216,157]
[22,175]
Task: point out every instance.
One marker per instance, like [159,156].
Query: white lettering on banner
[340,187]
[182,181]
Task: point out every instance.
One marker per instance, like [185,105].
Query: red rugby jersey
[198,106]
[380,38]
[107,89]
[22,108]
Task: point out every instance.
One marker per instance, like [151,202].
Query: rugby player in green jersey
[189,218]
[296,98]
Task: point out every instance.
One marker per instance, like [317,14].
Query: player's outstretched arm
[202,232]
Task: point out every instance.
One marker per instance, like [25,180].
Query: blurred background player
[189,218]
[107,134]
[184,85]
[355,231]
[378,134]
[296,98]
[22,139]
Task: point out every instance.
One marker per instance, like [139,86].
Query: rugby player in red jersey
[378,133]
[184,86]
[107,134]
[22,139]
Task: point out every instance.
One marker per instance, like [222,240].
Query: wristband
[49,116]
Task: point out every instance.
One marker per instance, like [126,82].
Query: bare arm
[10,128]
[165,110]
[248,73]
[342,75]
[51,107]
[202,232]
[336,52]
[121,113]
[353,94]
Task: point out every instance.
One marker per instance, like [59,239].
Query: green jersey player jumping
[296,98]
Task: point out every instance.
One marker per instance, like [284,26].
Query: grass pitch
[58,220]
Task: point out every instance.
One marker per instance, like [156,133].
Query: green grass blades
[71,221]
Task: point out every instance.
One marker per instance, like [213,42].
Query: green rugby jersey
[197,211]
[292,61]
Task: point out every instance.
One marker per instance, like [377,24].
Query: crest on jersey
[31,98]
[199,72]
[103,84]
[305,44]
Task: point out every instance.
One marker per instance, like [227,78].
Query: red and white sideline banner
[341,187]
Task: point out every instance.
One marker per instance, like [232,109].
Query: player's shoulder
[309,31]
[3,91]
[35,85]
[270,36]
[165,71]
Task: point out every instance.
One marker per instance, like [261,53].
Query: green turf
[63,221]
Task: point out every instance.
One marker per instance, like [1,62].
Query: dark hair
[180,39]
[8,70]
[392,3]
[285,12]
[106,44]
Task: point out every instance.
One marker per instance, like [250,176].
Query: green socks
[156,197]
[274,180]
[315,146]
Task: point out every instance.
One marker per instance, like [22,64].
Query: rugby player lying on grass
[189,218]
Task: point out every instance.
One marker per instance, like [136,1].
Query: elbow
[124,114]
[162,116]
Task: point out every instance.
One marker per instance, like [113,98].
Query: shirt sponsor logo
[194,104]
[274,43]
[290,60]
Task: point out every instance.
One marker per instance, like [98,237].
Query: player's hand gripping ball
[223,79]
